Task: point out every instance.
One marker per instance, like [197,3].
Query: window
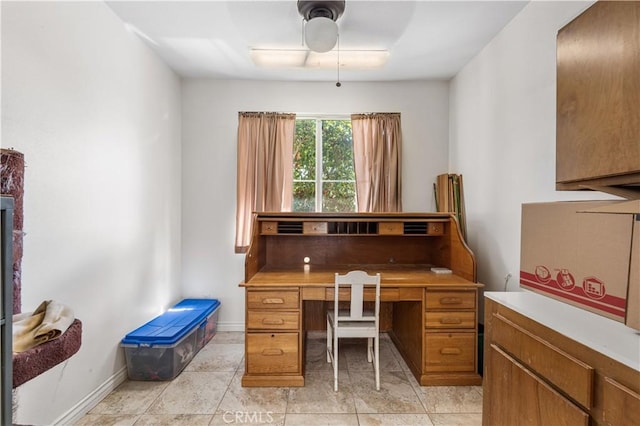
[323,167]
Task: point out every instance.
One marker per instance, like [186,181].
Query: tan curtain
[377,143]
[265,168]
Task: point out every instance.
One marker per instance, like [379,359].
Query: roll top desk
[289,277]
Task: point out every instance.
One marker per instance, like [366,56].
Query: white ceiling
[426,39]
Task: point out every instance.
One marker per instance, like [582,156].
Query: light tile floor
[208,392]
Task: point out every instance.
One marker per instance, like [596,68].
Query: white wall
[502,129]
[97,117]
[210,119]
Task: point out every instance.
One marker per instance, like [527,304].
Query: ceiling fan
[320,37]
[321,29]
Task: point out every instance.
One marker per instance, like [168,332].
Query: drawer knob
[272,352]
[450,351]
[451,320]
[272,321]
[450,300]
[273,301]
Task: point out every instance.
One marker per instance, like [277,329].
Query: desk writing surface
[323,276]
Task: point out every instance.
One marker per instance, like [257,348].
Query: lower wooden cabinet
[535,375]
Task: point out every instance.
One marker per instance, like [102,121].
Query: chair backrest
[357,281]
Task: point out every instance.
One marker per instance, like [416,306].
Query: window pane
[304,150]
[337,150]
[304,196]
[336,181]
[338,197]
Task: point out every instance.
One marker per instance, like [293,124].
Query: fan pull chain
[338,84]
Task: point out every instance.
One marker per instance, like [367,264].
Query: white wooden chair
[355,321]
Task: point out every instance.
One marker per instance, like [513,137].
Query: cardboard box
[585,253]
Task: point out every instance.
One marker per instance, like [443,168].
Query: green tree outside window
[323,168]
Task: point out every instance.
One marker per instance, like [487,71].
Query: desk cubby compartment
[164,346]
[353,228]
[290,227]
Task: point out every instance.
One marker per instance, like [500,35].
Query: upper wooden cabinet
[598,98]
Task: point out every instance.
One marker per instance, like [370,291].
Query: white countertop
[604,335]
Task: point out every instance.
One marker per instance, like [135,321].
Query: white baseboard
[230,326]
[91,400]
[87,403]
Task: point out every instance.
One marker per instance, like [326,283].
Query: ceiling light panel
[349,59]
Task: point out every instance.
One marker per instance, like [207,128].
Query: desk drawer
[314,227]
[272,299]
[448,352]
[391,228]
[272,353]
[269,228]
[450,319]
[264,320]
[435,228]
[451,299]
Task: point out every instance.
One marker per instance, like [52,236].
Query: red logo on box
[565,280]
[593,287]
[542,274]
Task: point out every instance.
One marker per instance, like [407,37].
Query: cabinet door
[519,397]
[621,404]
[598,113]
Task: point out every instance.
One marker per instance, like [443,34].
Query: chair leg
[369,349]
[335,362]
[329,341]
[376,365]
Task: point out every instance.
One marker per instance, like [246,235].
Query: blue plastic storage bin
[162,348]
[209,309]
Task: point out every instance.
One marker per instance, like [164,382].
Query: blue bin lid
[206,305]
[170,327]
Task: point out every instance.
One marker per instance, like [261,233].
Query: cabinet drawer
[519,397]
[269,228]
[451,319]
[390,228]
[273,320]
[451,300]
[568,374]
[272,353]
[272,299]
[447,352]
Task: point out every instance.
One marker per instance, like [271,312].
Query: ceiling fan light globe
[321,34]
